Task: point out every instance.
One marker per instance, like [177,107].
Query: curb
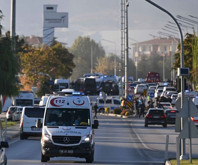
[115,115]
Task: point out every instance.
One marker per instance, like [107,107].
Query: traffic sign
[151,95]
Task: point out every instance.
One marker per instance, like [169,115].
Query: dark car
[171,115]
[155,116]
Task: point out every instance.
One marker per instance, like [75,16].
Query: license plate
[36,129]
[66,151]
[156,117]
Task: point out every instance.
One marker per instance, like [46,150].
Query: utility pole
[122,43]
[13,24]
[126,48]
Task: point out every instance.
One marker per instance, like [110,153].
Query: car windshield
[67,117]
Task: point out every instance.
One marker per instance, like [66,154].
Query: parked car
[195,119]
[155,116]
[16,116]
[28,121]
[139,89]
[171,115]
[111,102]
[158,92]
[174,98]
[11,111]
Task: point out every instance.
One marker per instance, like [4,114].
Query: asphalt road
[118,142]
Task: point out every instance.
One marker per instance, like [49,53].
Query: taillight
[164,116]
[148,116]
[8,112]
[172,111]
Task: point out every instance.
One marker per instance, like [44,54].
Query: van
[67,128]
[28,120]
[111,102]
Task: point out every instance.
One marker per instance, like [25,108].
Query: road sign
[151,95]
[189,133]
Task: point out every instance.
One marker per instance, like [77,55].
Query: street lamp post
[13,24]
[181,66]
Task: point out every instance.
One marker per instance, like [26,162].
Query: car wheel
[22,136]
[44,158]
[165,125]
[90,158]
[146,125]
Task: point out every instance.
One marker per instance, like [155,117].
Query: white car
[28,121]
[195,119]
[139,89]
[158,92]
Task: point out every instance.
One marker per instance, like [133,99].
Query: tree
[51,62]
[1,17]
[105,66]
[85,51]
[8,68]
[188,57]
[195,63]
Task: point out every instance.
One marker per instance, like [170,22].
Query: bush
[117,111]
[107,110]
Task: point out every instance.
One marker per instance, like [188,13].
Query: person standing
[142,109]
[95,110]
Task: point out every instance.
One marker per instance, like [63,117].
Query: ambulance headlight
[46,137]
[86,139]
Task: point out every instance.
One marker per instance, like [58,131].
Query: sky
[99,19]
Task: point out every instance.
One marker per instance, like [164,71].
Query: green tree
[8,68]
[195,63]
[188,55]
[1,17]
[85,50]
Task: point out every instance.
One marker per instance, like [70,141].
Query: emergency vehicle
[67,128]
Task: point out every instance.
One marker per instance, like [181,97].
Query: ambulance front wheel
[90,158]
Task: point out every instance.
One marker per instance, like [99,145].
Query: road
[118,141]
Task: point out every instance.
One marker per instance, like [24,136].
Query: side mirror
[4,144]
[95,125]
[38,123]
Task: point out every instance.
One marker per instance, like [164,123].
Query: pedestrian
[142,109]
[123,103]
[95,110]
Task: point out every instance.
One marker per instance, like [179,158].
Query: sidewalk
[12,132]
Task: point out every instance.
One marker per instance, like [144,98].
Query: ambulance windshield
[67,117]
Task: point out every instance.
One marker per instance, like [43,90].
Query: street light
[181,66]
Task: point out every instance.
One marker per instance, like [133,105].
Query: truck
[67,128]
[25,98]
[153,77]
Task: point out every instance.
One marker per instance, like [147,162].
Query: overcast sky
[99,19]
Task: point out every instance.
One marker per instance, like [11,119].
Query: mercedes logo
[66,139]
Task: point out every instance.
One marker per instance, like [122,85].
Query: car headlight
[86,139]
[46,137]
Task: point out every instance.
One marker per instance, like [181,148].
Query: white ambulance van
[67,128]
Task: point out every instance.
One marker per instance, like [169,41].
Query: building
[159,46]
[163,46]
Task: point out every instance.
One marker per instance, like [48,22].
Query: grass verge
[185,162]
[9,123]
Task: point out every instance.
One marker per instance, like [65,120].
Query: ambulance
[67,128]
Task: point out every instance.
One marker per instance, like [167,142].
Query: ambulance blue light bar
[76,93]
